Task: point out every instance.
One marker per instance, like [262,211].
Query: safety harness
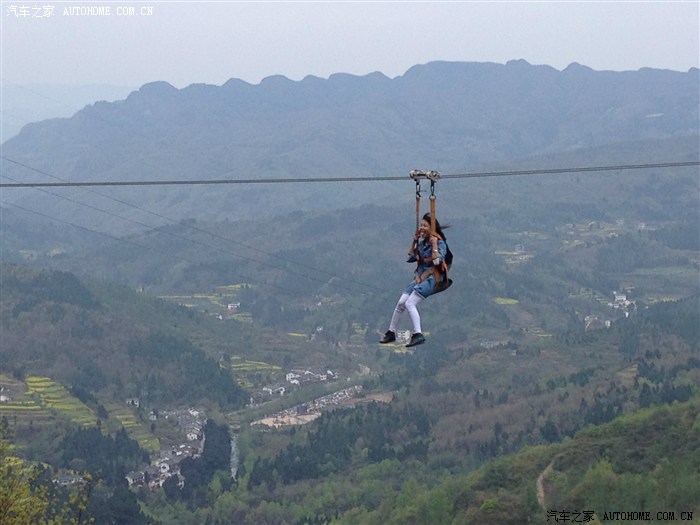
[439,272]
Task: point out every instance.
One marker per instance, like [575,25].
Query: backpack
[448,256]
[445,282]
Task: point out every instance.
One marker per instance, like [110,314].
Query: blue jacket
[425,264]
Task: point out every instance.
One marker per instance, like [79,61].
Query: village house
[67,478]
[136,478]
[621,302]
[276,389]
[166,466]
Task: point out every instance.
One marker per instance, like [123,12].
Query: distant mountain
[453,117]
[23,104]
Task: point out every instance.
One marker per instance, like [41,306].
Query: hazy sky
[185,42]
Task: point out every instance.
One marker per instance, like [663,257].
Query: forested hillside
[455,407]
[636,468]
[53,324]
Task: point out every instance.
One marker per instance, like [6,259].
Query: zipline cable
[298,180]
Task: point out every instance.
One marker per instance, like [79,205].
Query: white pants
[407,302]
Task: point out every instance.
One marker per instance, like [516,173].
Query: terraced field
[19,407]
[38,400]
[54,396]
[36,403]
[240,365]
[246,370]
[135,429]
[216,302]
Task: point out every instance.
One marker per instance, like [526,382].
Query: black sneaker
[389,337]
[416,339]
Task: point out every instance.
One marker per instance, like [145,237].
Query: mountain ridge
[441,115]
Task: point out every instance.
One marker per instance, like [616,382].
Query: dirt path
[540,484]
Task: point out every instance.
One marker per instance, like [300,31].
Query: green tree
[20,503]
[27,499]
[597,488]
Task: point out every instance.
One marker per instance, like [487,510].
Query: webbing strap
[435,271]
[433,176]
[432,205]
[417,204]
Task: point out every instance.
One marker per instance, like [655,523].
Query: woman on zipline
[429,250]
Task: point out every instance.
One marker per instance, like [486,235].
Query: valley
[217,349]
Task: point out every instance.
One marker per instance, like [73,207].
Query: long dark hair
[438,228]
